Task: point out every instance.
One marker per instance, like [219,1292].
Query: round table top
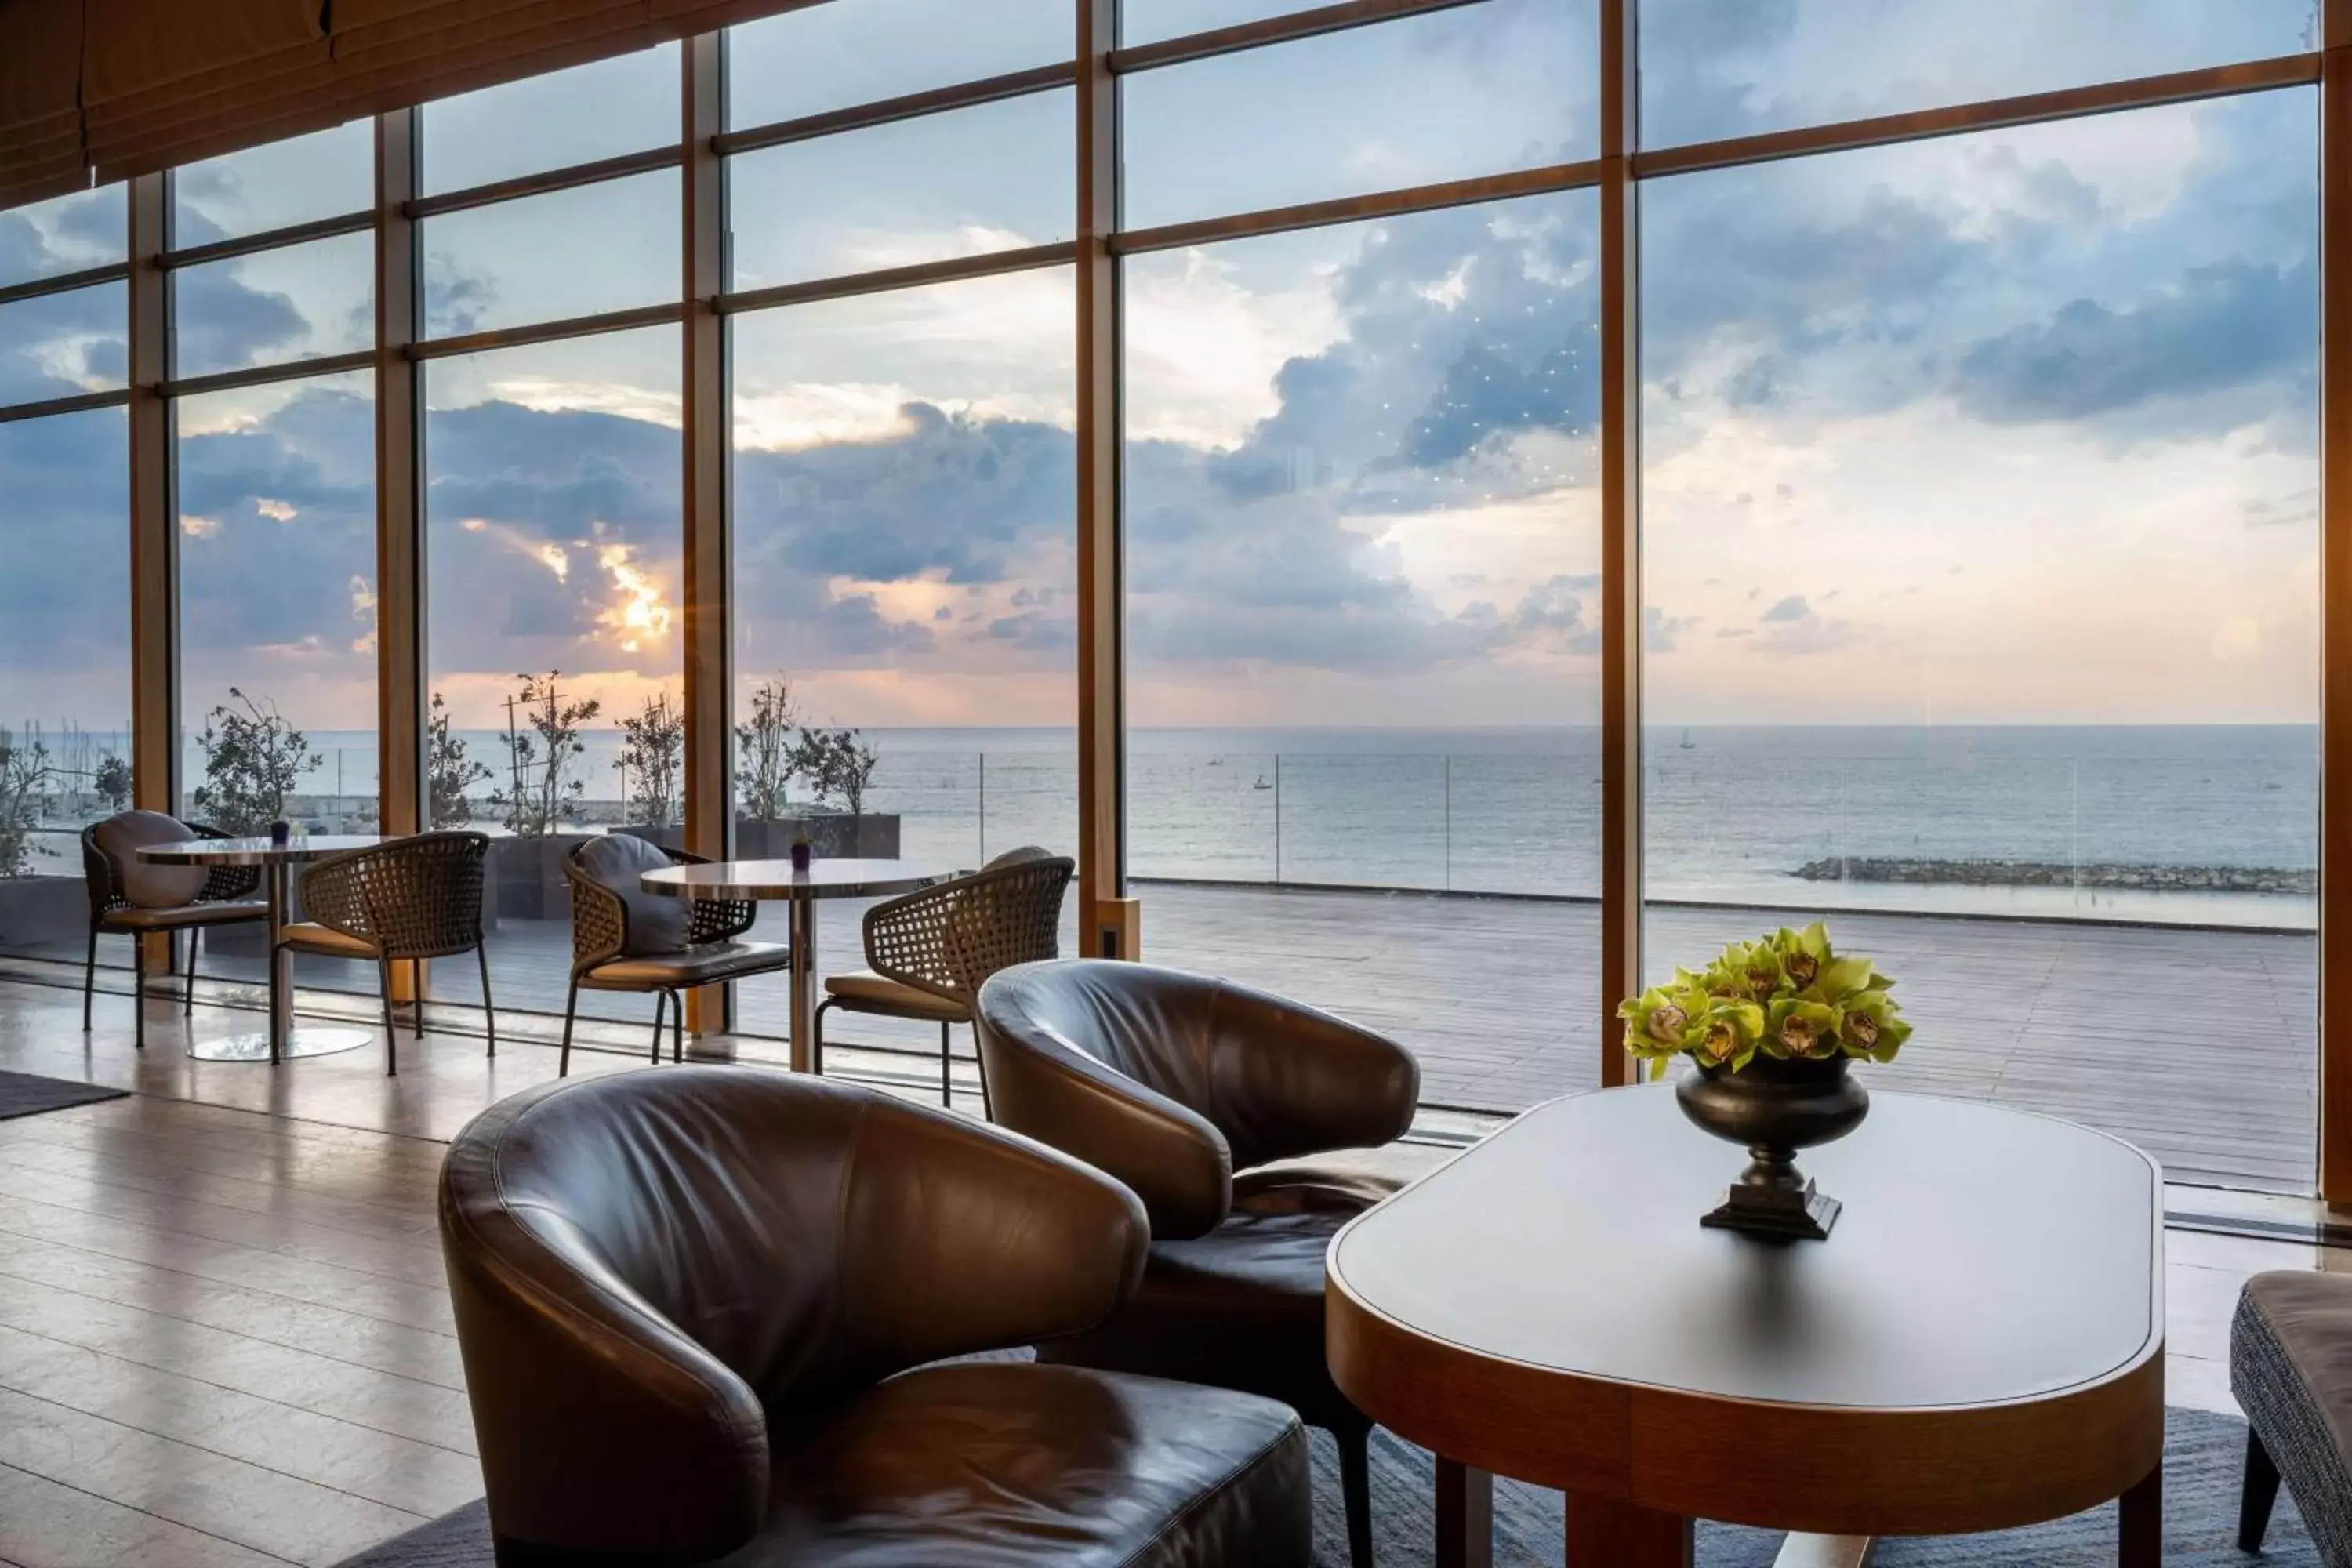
[1983,1255]
[756,880]
[257,851]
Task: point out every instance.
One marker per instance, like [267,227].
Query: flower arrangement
[1785,995]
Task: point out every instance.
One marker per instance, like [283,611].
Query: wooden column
[1620,552]
[2335,601]
[154,523]
[708,651]
[1110,924]
[400,661]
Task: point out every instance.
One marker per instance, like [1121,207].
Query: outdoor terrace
[2198,1045]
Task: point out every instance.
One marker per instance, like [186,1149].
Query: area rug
[25,1094]
[2201,1458]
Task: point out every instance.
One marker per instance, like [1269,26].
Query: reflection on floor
[224,1337]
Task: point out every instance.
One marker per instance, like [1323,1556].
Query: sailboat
[1261,782]
[1688,745]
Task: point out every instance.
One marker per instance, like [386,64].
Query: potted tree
[253,759]
[652,772]
[840,763]
[41,898]
[543,744]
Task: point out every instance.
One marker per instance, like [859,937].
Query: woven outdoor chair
[626,939]
[412,898]
[135,897]
[929,952]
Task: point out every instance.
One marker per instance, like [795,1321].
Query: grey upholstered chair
[625,939]
[135,897]
[2290,1370]
[929,952]
[412,898]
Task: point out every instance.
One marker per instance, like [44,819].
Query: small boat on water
[1261,782]
[1688,745]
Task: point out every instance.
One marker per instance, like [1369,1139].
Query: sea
[1731,812]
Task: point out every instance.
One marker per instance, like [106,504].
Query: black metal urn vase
[1776,1108]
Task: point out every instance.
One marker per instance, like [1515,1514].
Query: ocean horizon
[1733,813]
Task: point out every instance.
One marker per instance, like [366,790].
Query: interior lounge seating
[1190,1090]
[698,1310]
[929,952]
[2290,1370]
[132,896]
[626,939]
[413,898]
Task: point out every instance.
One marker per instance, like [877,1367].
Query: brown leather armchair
[695,1311]
[1174,1083]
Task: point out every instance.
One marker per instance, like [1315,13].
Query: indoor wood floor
[224,1337]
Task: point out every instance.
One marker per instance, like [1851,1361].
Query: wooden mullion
[708,636]
[401,665]
[1109,924]
[154,532]
[1621,555]
[2336,599]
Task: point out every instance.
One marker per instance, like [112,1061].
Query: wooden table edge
[1818,1468]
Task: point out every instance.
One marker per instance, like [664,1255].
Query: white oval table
[281,1040]
[777,881]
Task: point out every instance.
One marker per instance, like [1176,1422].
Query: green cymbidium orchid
[1657,1021]
[1727,1034]
[1800,1030]
[1871,1027]
[1788,995]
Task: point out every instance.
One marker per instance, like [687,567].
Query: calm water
[1732,812]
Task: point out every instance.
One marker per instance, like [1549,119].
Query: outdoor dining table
[778,881]
[281,1039]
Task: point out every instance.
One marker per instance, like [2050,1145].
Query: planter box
[43,911]
[834,835]
[526,878]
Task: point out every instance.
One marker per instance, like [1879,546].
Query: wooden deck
[2199,1046]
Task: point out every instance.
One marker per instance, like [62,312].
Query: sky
[2018,426]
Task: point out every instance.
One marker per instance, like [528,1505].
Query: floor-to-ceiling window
[1981,563]
[904,465]
[1977,502]
[274,487]
[65,585]
[1361,537]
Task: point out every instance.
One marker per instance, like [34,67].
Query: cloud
[2216,328]
[1792,608]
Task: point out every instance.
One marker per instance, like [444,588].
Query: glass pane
[1149,21]
[320,176]
[552,547]
[997,177]
[1481,89]
[1982,559]
[58,345]
[626,104]
[298,302]
[859,51]
[64,667]
[1714,69]
[905,566]
[278,655]
[580,252]
[68,234]
[1362,558]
